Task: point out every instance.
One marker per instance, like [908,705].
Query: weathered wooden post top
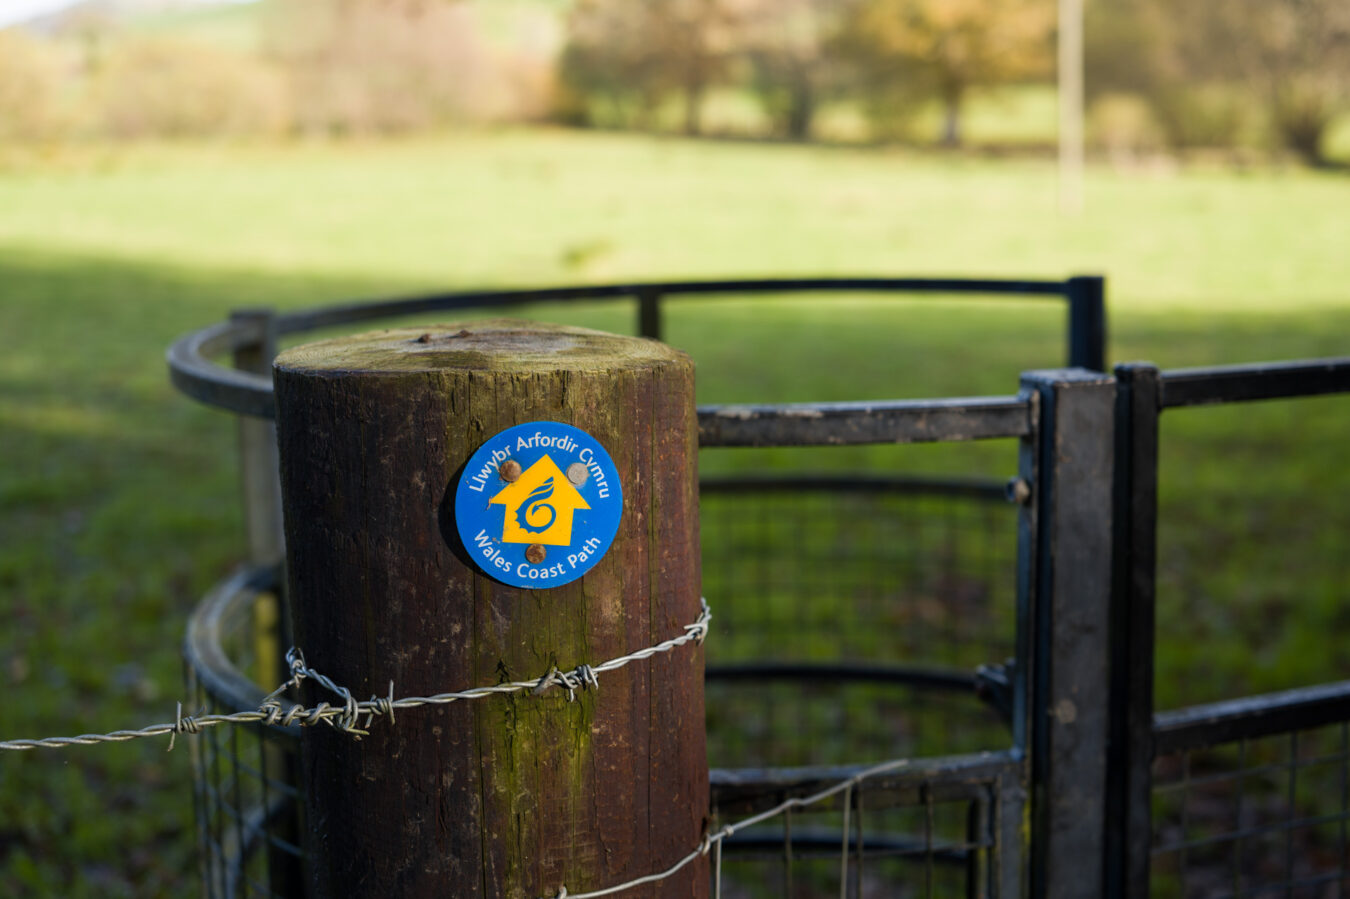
[481,503]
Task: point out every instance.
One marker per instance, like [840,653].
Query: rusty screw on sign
[534,553]
[509,471]
[576,473]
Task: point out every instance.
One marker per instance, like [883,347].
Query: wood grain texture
[506,796]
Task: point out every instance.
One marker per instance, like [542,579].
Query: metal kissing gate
[1062,795]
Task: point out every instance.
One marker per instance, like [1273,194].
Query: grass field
[118,503]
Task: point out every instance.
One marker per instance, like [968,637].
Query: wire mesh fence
[828,590]
[248,808]
[935,842]
[801,721]
[875,569]
[247,787]
[1267,816]
[859,609]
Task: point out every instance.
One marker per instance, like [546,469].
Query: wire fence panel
[864,570]
[856,613]
[247,778]
[925,829]
[909,585]
[1267,816]
[857,618]
[930,849]
[793,723]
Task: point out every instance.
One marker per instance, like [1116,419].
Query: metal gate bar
[1160,761]
[247,392]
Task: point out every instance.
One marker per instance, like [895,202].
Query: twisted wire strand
[347,715]
[713,841]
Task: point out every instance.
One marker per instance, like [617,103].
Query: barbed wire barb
[183,724]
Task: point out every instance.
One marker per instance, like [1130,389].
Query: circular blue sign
[538,504]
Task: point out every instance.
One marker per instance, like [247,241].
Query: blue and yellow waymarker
[538,504]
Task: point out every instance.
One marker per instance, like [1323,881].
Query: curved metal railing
[249,811]
[246,393]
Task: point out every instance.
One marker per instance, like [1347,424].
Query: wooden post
[507,796]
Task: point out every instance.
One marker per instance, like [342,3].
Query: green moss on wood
[552,802]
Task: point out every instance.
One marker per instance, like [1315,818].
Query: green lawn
[118,504]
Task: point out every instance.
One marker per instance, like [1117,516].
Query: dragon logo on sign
[540,505]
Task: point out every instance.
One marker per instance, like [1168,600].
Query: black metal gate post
[1087,321]
[649,312]
[1065,590]
[1138,404]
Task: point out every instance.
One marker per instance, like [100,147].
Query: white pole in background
[1071,106]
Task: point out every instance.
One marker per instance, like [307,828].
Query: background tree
[1217,73]
[786,43]
[905,49]
[634,55]
[1295,54]
[1165,52]
[164,88]
[700,36]
[33,80]
[381,65]
[606,62]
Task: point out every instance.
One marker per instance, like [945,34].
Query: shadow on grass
[118,506]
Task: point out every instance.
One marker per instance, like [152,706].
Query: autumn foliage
[1260,74]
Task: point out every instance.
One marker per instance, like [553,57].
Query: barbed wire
[712,842]
[347,715]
